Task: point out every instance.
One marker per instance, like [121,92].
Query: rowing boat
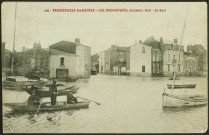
[181,86]
[46,106]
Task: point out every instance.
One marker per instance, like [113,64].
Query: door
[61,73]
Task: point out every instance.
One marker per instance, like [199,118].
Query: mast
[182,35]
[12,67]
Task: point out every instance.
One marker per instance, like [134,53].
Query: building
[165,55]
[190,64]
[95,62]
[140,59]
[69,59]
[114,60]
[35,60]
[201,54]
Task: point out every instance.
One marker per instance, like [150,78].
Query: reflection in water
[128,105]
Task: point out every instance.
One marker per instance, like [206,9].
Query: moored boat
[183,101]
[46,106]
[176,86]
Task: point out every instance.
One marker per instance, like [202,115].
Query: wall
[139,59]
[156,62]
[190,62]
[70,63]
[168,61]
[80,61]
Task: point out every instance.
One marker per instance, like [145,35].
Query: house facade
[69,59]
[166,57]
[201,54]
[190,64]
[140,60]
[114,60]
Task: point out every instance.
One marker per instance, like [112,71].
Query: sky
[100,30]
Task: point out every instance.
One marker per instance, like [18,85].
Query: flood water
[128,105]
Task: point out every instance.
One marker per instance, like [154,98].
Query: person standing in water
[53,91]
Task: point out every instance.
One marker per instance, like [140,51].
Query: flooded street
[128,105]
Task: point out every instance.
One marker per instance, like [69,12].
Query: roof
[136,44]
[58,52]
[152,43]
[166,45]
[64,46]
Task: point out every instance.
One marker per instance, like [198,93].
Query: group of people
[34,99]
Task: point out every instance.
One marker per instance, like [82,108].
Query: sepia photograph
[104,67]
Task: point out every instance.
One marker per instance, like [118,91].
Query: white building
[70,59]
[140,60]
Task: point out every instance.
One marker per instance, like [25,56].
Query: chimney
[140,41]
[77,40]
[161,39]
[176,41]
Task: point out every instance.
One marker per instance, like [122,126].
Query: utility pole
[12,67]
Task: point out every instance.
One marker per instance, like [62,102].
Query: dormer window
[143,50]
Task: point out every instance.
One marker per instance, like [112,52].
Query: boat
[11,84]
[68,79]
[183,101]
[62,92]
[181,86]
[46,106]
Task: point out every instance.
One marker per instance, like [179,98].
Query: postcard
[104,67]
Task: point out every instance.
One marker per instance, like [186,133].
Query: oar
[89,100]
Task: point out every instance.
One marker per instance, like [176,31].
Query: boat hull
[23,107]
[181,86]
[183,101]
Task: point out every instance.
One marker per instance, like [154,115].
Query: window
[179,57]
[158,68]
[179,67]
[62,61]
[174,57]
[186,64]
[168,57]
[194,63]
[143,68]
[143,50]
[169,68]
[153,68]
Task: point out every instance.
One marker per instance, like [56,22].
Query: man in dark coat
[33,100]
[53,90]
